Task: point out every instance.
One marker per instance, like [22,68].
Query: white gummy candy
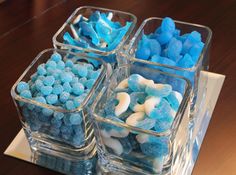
[133,119]
[178,96]
[114,144]
[123,84]
[142,138]
[124,101]
[120,134]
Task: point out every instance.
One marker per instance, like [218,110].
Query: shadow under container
[149,26]
[173,140]
[109,56]
[66,139]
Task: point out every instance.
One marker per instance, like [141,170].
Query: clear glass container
[86,11]
[174,140]
[149,26]
[36,117]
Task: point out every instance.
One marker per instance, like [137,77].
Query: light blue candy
[82,80]
[164,37]
[51,64]
[58,115]
[78,139]
[162,110]
[186,61]
[154,46]
[174,49]
[52,99]
[46,90]
[133,83]
[54,131]
[64,96]
[87,30]
[77,88]
[47,112]
[66,77]
[57,89]
[56,57]
[156,149]
[110,106]
[48,80]
[164,91]
[26,94]
[146,124]
[67,87]
[22,86]
[56,123]
[60,65]
[78,100]
[70,105]
[44,118]
[69,63]
[75,119]
[143,53]
[164,124]
[174,103]
[41,70]
[40,99]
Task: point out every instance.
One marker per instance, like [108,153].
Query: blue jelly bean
[159,90]
[57,89]
[75,119]
[67,87]
[26,94]
[22,86]
[77,88]
[48,80]
[70,105]
[167,25]
[65,77]
[56,57]
[143,53]
[52,99]
[46,90]
[41,70]
[51,64]
[40,99]
[47,112]
[64,96]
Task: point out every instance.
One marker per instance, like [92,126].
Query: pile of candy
[66,166]
[167,46]
[139,102]
[97,32]
[62,84]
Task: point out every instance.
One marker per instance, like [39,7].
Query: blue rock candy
[48,80]
[164,37]
[22,86]
[186,61]
[87,30]
[46,90]
[174,49]
[167,25]
[56,57]
[143,53]
[154,46]
[77,88]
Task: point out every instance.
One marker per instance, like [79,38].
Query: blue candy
[56,57]
[65,77]
[67,87]
[167,25]
[46,90]
[154,149]
[162,110]
[136,98]
[89,83]
[159,90]
[47,112]
[22,86]
[77,88]
[52,99]
[48,80]
[64,96]
[70,105]
[69,63]
[75,119]
[127,146]
[51,64]
[40,99]
[78,101]
[41,70]
[26,94]
[57,89]
[60,65]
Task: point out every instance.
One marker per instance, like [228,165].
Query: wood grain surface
[27,27]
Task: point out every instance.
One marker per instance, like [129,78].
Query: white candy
[133,119]
[104,133]
[124,101]
[110,15]
[120,134]
[178,96]
[173,113]
[123,84]
[158,164]
[150,104]
[139,108]
[142,138]
[114,144]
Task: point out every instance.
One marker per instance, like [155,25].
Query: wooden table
[27,27]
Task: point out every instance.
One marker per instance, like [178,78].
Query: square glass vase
[36,118]
[109,56]
[134,161]
[149,26]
